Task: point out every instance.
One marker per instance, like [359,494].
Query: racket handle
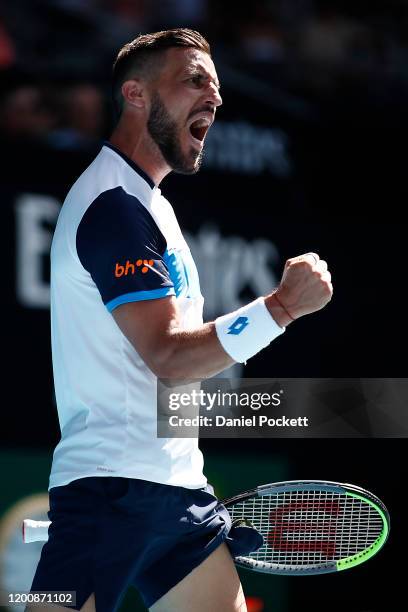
[35,531]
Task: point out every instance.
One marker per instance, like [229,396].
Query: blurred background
[308,153]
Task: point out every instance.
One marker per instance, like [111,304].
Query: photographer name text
[256,420]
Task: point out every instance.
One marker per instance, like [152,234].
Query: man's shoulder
[98,176]
[104,177]
[115,207]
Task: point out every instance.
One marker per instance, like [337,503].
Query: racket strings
[310,527]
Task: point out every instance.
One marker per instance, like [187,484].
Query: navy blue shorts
[109,533]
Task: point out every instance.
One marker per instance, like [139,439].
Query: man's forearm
[195,353]
[199,353]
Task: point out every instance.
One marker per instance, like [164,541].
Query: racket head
[311,526]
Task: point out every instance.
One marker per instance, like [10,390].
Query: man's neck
[141,150]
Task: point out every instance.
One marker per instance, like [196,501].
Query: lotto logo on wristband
[238,326]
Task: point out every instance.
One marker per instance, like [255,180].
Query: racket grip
[35,531]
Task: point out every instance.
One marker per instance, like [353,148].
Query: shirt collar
[131,163]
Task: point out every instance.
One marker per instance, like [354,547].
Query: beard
[166,134]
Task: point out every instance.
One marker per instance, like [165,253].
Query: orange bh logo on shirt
[130,268]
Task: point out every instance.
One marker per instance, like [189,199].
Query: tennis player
[126,507]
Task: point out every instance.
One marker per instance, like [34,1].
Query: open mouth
[199,129]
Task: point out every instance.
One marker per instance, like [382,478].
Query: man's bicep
[147,324]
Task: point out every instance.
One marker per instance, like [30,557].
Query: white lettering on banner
[33,242]
[228,266]
[247,149]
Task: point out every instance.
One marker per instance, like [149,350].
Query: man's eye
[197,79]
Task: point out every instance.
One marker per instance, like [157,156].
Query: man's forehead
[187,59]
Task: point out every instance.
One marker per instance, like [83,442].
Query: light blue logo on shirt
[183,273]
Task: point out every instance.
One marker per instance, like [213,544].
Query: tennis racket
[311,527]
[308,527]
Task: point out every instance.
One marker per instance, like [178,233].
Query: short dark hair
[139,57]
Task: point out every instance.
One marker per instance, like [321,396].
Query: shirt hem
[60,482]
[138,296]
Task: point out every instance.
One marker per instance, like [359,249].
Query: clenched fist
[304,288]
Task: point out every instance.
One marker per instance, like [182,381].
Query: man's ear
[134,93]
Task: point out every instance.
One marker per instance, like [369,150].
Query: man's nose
[213,95]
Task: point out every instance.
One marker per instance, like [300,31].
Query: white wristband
[246,331]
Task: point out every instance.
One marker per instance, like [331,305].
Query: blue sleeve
[122,248]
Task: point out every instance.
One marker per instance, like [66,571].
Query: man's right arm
[154,329]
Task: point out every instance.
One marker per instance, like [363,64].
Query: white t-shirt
[117,240]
